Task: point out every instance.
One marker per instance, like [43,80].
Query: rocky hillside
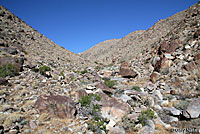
[132,45]
[154,90]
[32,45]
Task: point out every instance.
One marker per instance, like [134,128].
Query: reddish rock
[154,77]
[177,82]
[102,86]
[59,106]
[172,92]
[168,47]
[162,65]
[126,72]
[190,66]
[197,56]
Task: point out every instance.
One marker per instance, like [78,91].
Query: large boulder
[193,109]
[113,108]
[126,72]
[56,106]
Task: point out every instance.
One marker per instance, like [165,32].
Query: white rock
[164,103]
[169,56]
[187,46]
[110,125]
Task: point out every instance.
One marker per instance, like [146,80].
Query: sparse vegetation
[8,70]
[128,124]
[84,72]
[136,88]
[109,65]
[97,123]
[44,69]
[110,83]
[146,115]
[62,74]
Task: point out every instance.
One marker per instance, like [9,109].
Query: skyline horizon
[57,33]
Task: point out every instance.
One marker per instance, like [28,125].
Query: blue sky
[78,25]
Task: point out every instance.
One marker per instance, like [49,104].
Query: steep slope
[101,48]
[130,46]
[37,48]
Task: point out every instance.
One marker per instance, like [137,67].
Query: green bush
[84,71]
[110,83]
[62,74]
[146,115]
[86,100]
[97,122]
[136,88]
[8,70]
[43,69]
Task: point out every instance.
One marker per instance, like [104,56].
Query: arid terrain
[147,82]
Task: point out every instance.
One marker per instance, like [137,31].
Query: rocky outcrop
[59,106]
[126,72]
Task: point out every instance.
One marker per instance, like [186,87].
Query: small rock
[173,111]
[117,130]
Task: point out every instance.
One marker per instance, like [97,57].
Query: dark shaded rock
[104,88]
[197,33]
[3,81]
[59,106]
[162,66]
[126,72]
[193,109]
[17,62]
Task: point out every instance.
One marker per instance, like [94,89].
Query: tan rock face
[125,71]
[154,77]
[102,86]
[59,106]
[190,66]
[113,108]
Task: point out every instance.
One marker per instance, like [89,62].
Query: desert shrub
[84,71]
[97,122]
[8,70]
[136,88]
[62,74]
[110,83]
[146,115]
[44,69]
[128,124]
